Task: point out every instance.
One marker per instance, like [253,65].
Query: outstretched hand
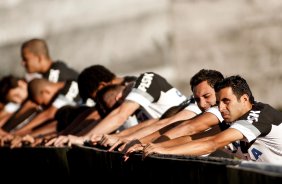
[95,139]
[108,140]
[153,148]
[132,149]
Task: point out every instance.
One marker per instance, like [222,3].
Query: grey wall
[236,37]
[173,37]
[123,35]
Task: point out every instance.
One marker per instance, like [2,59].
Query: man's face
[18,94]
[44,98]
[111,97]
[204,95]
[30,61]
[229,106]
[100,86]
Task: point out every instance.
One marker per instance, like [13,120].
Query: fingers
[57,142]
[128,145]
[108,140]
[95,139]
[28,138]
[122,148]
[6,140]
[135,148]
[126,156]
[51,142]
[148,150]
[37,142]
[16,142]
[119,142]
[61,141]
[105,140]
[76,140]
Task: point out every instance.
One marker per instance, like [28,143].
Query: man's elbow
[213,146]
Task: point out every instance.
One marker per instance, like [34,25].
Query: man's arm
[131,130]
[115,119]
[79,123]
[20,115]
[198,147]
[43,116]
[48,129]
[185,114]
[24,108]
[193,126]
[150,133]
[4,116]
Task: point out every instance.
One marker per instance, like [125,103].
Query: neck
[46,65]
[249,106]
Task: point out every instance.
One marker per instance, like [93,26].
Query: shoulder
[215,111]
[59,64]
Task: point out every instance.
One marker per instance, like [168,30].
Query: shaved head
[37,47]
[35,88]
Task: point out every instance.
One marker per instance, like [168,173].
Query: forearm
[3,133]
[107,125]
[182,115]
[150,138]
[4,117]
[158,134]
[157,125]
[133,129]
[37,120]
[194,125]
[188,127]
[45,130]
[199,147]
[81,122]
[173,142]
[24,108]
[115,119]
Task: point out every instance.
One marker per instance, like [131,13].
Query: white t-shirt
[154,94]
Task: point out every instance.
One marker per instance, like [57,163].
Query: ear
[118,96]
[102,84]
[245,98]
[40,57]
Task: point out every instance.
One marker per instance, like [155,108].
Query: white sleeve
[11,107]
[247,129]
[140,97]
[215,111]
[194,108]
[61,101]
[90,103]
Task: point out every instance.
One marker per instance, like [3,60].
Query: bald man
[36,59]
[51,96]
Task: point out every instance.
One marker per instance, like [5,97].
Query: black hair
[211,76]
[6,84]
[101,104]
[239,86]
[90,78]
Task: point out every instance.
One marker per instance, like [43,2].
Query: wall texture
[236,37]
[173,37]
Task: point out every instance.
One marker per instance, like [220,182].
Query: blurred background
[175,38]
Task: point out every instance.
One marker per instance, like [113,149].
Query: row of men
[143,113]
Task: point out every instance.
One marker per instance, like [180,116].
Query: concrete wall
[173,37]
[236,37]
[123,35]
